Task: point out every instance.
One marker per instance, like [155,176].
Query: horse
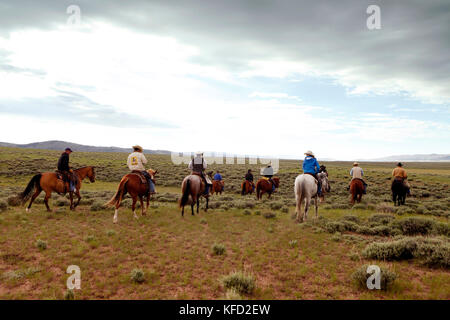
[217,187]
[194,186]
[132,184]
[247,187]
[356,190]
[49,182]
[305,188]
[263,186]
[399,191]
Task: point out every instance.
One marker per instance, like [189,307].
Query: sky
[272,78]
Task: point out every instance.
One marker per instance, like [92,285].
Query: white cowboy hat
[309,153]
[355,163]
[199,153]
[138,147]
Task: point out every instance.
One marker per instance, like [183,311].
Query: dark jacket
[249,177]
[63,162]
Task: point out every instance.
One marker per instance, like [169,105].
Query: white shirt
[136,161]
[197,160]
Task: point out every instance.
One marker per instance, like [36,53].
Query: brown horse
[263,186]
[194,186]
[356,190]
[49,182]
[247,187]
[217,187]
[132,184]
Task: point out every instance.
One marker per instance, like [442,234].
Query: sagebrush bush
[415,225]
[14,201]
[381,218]
[3,205]
[97,205]
[232,294]
[269,214]
[218,249]
[241,282]
[432,251]
[385,208]
[69,295]
[137,276]
[41,245]
[387,277]
[351,218]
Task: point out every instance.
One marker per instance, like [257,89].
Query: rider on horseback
[267,172]
[197,166]
[136,161]
[357,173]
[218,177]
[249,178]
[311,166]
[400,174]
[66,171]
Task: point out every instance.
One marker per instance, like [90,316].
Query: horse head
[152,174]
[322,176]
[91,174]
[276,180]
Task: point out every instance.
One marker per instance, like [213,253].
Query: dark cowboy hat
[68,149]
[399,164]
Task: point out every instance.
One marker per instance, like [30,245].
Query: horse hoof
[27,210]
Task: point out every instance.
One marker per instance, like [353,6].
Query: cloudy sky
[236,76]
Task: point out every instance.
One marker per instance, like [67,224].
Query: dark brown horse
[247,187]
[49,182]
[132,184]
[399,191]
[217,187]
[192,186]
[356,190]
[264,186]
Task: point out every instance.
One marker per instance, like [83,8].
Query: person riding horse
[357,173]
[249,178]
[218,177]
[267,172]
[399,173]
[65,170]
[311,166]
[197,166]
[136,161]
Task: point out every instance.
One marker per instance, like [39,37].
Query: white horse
[305,188]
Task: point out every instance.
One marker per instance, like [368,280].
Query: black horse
[399,191]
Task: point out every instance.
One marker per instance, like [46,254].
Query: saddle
[140,175]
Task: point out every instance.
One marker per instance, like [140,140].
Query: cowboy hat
[137,147]
[309,153]
[199,153]
[355,163]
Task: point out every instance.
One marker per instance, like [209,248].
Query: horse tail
[186,192]
[34,183]
[117,198]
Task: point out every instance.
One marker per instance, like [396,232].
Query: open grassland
[165,256]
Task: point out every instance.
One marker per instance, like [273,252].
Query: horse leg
[133,207]
[35,195]
[47,196]
[77,193]
[142,205]
[316,203]
[71,200]
[116,212]
[207,201]
[307,204]
[198,203]
[148,202]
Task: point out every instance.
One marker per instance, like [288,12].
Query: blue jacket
[311,165]
[217,176]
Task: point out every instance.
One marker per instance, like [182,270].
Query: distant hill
[61,145]
[416,157]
